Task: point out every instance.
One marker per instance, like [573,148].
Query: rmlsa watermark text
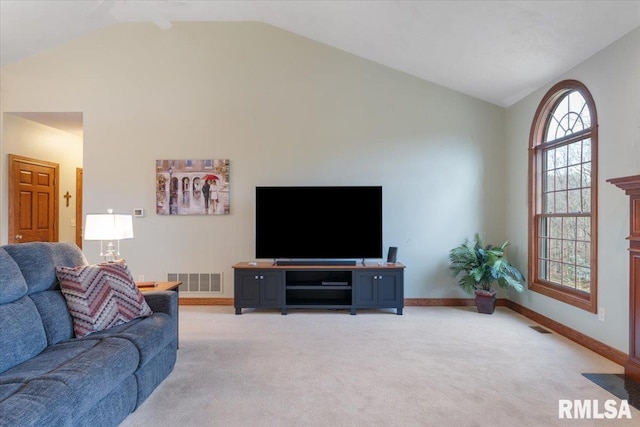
[593,409]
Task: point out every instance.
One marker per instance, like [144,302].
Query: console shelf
[347,287]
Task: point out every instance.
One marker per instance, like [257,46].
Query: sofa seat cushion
[36,403]
[101,296]
[89,370]
[150,335]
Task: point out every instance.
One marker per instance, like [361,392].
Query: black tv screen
[319,222]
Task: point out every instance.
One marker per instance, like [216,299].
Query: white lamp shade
[108,227]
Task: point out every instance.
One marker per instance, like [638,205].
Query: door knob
[18,236]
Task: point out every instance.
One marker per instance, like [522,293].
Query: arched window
[563,196]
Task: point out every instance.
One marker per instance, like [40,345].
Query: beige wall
[286,111]
[612,77]
[289,111]
[30,139]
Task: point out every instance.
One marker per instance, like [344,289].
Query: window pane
[583,279]
[569,252]
[549,182]
[561,202]
[586,200]
[561,156]
[583,229]
[555,250]
[555,227]
[575,153]
[586,174]
[575,202]
[585,114]
[543,230]
[544,269]
[586,150]
[583,254]
[561,179]
[549,203]
[550,157]
[569,228]
[568,275]
[555,272]
[554,129]
[544,248]
[575,177]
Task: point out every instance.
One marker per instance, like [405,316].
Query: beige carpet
[433,366]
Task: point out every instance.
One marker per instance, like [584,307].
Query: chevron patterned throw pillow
[101,296]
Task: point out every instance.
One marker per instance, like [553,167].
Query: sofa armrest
[163,302]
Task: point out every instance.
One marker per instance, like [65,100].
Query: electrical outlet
[140,277]
[601,314]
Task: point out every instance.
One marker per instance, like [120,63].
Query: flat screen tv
[319,223]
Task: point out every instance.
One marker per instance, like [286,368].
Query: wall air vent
[540,329]
[198,282]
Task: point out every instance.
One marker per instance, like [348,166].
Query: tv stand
[314,262]
[310,285]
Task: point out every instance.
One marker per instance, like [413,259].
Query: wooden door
[79,228]
[33,200]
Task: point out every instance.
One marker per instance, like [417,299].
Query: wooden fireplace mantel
[631,186]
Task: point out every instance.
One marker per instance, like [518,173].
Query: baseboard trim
[444,302]
[594,345]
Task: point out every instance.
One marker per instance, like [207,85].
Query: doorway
[45,137]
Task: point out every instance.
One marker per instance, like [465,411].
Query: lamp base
[111,254]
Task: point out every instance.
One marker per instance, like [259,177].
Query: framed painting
[192,187]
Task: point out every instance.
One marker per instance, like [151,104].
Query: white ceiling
[497,51]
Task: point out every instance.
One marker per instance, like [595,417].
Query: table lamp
[110,228]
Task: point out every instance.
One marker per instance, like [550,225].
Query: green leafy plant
[479,267]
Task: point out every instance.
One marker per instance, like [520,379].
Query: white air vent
[198,282]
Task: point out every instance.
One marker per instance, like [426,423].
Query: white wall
[613,78]
[30,139]
[286,111]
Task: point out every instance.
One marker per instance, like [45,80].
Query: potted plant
[479,267]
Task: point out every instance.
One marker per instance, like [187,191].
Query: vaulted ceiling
[497,51]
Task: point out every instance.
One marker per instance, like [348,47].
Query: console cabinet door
[366,289]
[247,289]
[271,289]
[379,288]
[390,289]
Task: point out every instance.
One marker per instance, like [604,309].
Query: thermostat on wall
[138,212]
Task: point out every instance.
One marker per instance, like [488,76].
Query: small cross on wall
[67,196]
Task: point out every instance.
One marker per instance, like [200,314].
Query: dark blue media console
[291,286]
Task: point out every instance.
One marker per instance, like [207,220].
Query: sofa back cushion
[21,332]
[12,284]
[55,315]
[28,270]
[22,335]
[38,261]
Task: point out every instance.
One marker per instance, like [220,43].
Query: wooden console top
[268,265]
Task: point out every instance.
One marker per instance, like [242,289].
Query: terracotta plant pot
[486,301]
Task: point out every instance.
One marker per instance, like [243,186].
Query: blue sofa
[50,378]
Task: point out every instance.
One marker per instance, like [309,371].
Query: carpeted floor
[433,366]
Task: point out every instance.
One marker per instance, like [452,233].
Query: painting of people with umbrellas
[192,187]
